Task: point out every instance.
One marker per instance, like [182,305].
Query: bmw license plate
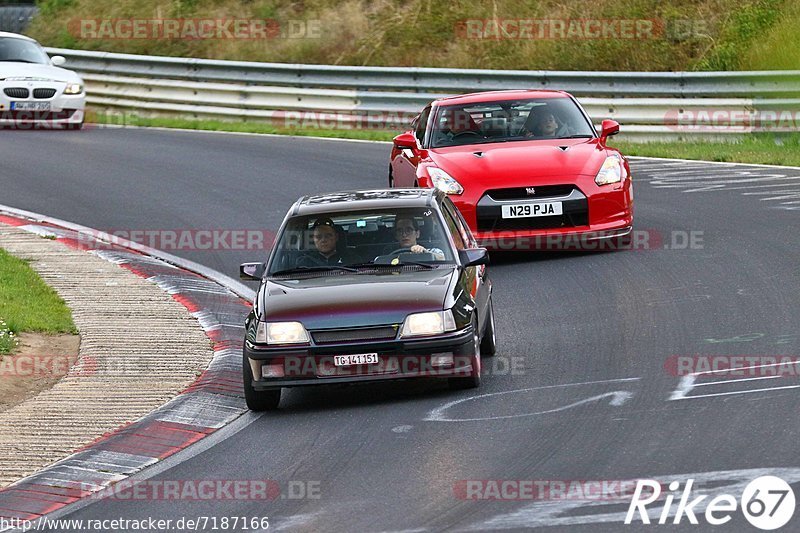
[30,106]
[359,359]
[543,209]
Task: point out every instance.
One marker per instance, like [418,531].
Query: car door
[476,277]
[405,161]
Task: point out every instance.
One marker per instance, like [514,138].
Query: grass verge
[27,304]
[763,149]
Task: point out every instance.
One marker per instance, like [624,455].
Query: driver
[406,231]
[326,240]
[457,122]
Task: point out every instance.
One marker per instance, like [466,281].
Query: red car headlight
[444,181]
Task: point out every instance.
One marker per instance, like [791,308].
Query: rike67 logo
[767,502]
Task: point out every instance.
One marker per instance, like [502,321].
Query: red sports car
[527,169]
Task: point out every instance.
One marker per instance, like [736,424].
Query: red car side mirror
[405,141]
[608,128]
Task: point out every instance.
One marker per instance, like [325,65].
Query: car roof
[494,96]
[16,35]
[365,199]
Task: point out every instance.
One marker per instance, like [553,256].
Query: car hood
[355,300]
[41,72]
[518,163]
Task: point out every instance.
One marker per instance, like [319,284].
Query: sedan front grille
[530,193]
[328,336]
[44,93]
[16,92]
[575,209]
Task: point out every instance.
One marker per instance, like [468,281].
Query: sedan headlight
[423,324]
[444,181]
[612,171]
[73,88]
[281,333]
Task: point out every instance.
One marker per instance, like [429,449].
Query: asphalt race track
[590,337]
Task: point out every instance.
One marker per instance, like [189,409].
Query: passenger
[326,240]
[543,123]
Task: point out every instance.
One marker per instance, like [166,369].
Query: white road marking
[688,383]
[618,398]
[566,512]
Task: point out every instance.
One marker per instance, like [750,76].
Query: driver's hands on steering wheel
[417,249]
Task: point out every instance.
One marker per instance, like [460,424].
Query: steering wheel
[400,251]
[466,132]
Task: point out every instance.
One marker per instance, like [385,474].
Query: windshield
[344,240]
[22,50]
[509,120]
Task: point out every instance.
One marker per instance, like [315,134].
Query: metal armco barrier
[649,105]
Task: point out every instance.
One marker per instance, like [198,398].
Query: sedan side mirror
[252,271]
[57,61]
[474,257]
[405,141]
[609,128]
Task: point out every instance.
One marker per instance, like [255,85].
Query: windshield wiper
[579,136]
[20,61]
[395,265]
[318,268]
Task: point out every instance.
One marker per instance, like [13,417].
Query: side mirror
[252,271]
[405,141]
[474,257]
[57,61]
[609,128]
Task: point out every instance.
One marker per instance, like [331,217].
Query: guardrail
[650,105]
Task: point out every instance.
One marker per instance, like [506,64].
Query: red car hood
[520,162]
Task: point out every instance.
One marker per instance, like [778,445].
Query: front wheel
[489,340]
[473,381]
[258,400]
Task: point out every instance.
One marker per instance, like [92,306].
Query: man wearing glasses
[406,231]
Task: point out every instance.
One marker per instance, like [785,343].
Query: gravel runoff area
[139,348]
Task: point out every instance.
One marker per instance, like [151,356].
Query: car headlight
[423,324]
[612,171]
[444,181]
[281,333]
[73,88]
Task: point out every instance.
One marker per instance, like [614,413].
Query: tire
[473,381]
[391,178]
[258,400]
[489,341]
[78,126]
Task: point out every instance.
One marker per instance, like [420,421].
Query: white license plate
[543,209]
[30,106]
[359,359]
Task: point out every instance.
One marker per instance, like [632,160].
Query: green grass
[686,34]
[241,127]
[27,304]
[765,149]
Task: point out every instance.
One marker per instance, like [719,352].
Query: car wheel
[78,126]
[258,400]
[391,179]
[473,381]
[489,341]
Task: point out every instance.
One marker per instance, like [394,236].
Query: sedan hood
[42,72]
[342,301]
[520,162]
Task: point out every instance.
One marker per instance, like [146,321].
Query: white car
[34,91]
